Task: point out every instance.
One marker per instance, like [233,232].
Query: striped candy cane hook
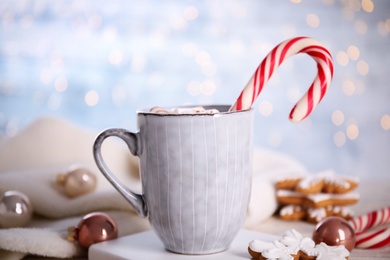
[274,59]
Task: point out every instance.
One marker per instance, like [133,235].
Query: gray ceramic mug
[196,176]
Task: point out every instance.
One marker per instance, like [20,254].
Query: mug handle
[136,200]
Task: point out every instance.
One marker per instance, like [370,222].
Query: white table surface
[146,245]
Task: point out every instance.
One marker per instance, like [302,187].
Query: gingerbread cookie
[319,200]
[326,182]
[292,212]
[289,182]
[326,199]
[294,246]
[288,197]
[310,185]
[313,215]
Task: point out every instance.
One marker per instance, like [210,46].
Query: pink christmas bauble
[335,231]
[93,228]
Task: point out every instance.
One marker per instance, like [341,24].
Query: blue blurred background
[95,63]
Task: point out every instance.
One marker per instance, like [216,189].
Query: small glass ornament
[15,209]
[77,181]
[93,228]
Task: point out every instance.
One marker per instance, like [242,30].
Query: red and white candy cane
[366,227]
[274,59]
[370,220]
[373,238]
